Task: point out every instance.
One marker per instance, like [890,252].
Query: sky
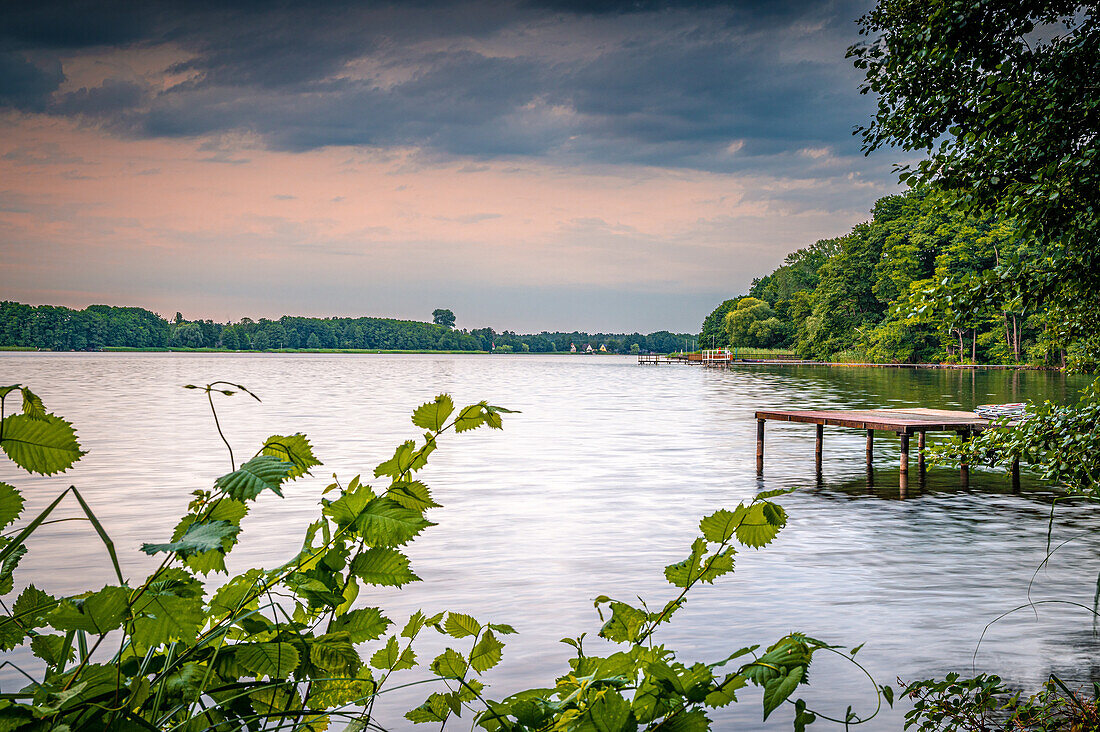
[622,165]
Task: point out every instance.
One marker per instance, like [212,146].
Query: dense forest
[862,296]
[54,328]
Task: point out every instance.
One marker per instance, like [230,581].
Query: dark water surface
[595,487]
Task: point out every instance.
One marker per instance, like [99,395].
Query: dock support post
[920,451]
[1016,475]
[903,475]
[759,447]
[817,449]
[870,448]
[904,452]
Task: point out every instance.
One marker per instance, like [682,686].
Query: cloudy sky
[530,164]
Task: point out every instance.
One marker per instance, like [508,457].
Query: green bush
[300,646]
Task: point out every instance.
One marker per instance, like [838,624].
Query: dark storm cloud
[710,85]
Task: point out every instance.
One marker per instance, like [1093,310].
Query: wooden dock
[903,422]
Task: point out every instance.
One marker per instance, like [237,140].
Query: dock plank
[908,421]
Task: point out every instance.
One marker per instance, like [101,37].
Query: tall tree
[443,317]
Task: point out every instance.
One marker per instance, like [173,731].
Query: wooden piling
[964,466]
[817,450]
[1016,475]
[920,451]
[904,452]
[870,449]
[759,447]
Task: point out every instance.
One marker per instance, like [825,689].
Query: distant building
[588,348]
[572,348]
[603,348]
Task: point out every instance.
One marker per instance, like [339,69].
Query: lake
[592,489]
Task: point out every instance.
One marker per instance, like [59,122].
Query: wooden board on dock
[910,420]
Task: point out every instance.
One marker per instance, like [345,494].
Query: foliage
[984,704]
[1001,97]
[868,291]
[295,647]
[753,323]
[1062,442]
[100,327]
[444,318]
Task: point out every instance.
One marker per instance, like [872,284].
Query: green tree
[444,318]
[313,341]
[753,323]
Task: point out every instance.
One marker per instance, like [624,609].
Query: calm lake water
[593,489]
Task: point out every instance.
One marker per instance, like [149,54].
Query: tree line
[55,328]
[864,296]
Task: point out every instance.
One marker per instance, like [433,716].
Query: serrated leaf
[486,652]
[717,565]
[449,665]
[162,618]
[385,523]
[756,530]
[693,721]
[433,415]
[411,494]
[335,653]
[11,504]
[683,573]
[406,458]
[11,633]
[345,509]
[294,449]
[363,624]
[237,594]
[274,660]
[51,649]
[624,624]
[470,418]
[7,567]
[263,472]
[384,567]
[98,612]
[47,445]
[198,538]
[503,628]
[386,656]
[458,625]
[724,693]
[32,606]
[778,689]
[720,525]
[32,405]
[413,625]
[434,709]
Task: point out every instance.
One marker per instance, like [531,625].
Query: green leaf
[449,665]
[294,449]
[724,694]
[385,523]
[720,525]
[161,618]
[51,649]
[335,653]
[433,415]
[386,656]
[384,567]
[32,607]
[683,573]
[693,721]
[761,525]
[7,567]
[411,494]
[32,405]
[47,445]
[274,660]
[778,689]
[470,417]
[230,597]
[717,565]
[97,612]
[11,504]
[458,625]
[624,624]
[503,628]
[435,709]
[263,472]
[198,538]
[345,509]
[406,458]
[363,624]
[486,652]
[11,634]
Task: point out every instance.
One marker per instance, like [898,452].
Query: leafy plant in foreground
[294,648]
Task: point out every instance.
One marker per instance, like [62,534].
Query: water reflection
[593,488]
